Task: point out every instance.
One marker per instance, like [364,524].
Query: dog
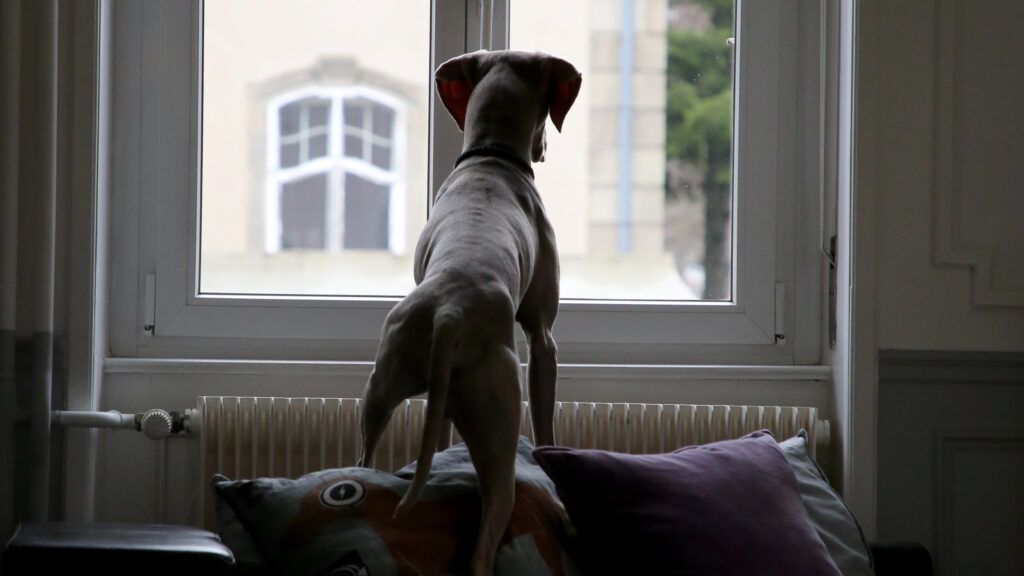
[486,259]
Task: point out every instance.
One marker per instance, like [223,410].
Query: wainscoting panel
[979,500]
[951,457]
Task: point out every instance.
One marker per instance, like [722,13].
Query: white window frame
[775,243]
[336,164]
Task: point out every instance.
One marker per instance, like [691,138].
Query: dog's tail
[442,346]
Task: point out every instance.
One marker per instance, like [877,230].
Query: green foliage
[707,135]
[698,111]
[698,119]
[721,11]
[703,60]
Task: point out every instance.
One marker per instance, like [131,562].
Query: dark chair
[901,559]
[154,549]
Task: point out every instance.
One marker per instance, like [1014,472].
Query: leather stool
[155,549]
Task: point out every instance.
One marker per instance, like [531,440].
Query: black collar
[500,151]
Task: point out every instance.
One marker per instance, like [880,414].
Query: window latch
[149,312]
[780,313]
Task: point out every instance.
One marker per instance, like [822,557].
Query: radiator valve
[156,424]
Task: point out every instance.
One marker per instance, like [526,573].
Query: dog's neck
[505,133]
[497,151]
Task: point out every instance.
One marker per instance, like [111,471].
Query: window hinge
[149,312]
[780,313]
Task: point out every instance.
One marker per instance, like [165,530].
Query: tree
[699,128]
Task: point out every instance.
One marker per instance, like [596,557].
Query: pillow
[835,524]
[340,520]
[249,560]
[725,508]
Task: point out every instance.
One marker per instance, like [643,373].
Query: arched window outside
[334,171]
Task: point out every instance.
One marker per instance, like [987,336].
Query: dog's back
[486,211]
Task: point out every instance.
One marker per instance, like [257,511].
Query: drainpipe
[626,127]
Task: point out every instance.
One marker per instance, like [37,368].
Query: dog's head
[545,83]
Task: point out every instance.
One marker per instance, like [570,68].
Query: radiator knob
[156,424]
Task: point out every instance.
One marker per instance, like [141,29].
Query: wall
[951,456]
[943,78]
[949,177]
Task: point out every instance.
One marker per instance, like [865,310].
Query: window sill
[565,371]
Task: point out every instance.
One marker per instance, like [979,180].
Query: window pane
[353,146]
[289,155]
[382,157]
[366,214]
[285,83]
[382,121]
[289,116]
[658,217]
[354,111]
[319,113]
[303,209]
[318,146]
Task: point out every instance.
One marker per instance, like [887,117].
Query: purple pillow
[725,508]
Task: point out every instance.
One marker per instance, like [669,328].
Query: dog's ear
[454,80]
[565,86]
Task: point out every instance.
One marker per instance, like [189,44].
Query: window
[647,149]
[679,188]
[331,178]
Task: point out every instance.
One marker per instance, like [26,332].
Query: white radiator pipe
[156,424]
[87,419]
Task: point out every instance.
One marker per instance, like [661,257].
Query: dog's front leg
[536,316]
[542,374]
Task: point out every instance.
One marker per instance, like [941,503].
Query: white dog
[485,260]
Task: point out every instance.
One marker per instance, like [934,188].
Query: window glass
[303,206]
[646,148]
[314,146]
[303,131]
[638,186]
[366,214]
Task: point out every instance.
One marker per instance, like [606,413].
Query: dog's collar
[500,151]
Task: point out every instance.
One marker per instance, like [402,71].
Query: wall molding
[947,248]
[967,367]
[948,446]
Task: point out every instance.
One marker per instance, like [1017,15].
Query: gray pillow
[829,514]
[249,560]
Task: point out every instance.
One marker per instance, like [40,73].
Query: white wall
[941,180]
[924,302]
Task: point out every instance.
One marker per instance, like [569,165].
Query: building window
[331,177]
[368,127]
[304,127]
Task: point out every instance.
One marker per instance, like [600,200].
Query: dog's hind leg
[444,442]
[378,403]
[489,423]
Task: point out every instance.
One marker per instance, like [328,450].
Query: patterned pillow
[339,521]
